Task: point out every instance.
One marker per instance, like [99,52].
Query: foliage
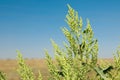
[80,52]
[116,75]
[79,56]
[2,76]
[24,70]
[40,76]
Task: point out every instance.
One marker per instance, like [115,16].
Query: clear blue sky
[28,25]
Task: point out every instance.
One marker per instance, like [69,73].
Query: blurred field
[10,66]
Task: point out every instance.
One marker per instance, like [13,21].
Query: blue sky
[28,25]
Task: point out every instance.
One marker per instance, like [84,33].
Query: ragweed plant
[81,49]
[2,76]
[116,75]
[24,70]
[39,76]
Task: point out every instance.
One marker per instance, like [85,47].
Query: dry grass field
[10,66]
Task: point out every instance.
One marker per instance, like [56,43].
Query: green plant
[79,55]
[80,49]
[116,75]
[2,76]
[24,70]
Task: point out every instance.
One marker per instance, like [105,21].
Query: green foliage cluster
[80,50]
[77,60]
[116,73]
[2,76]
[24,70]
